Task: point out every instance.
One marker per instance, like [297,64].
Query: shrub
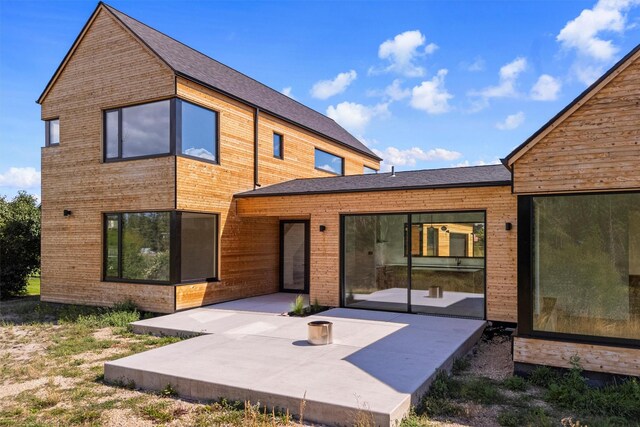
[543,376]
[460,365]
[529,417]
[515,384]
[297,307]
[19,243]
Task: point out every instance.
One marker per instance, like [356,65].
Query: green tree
[19,242]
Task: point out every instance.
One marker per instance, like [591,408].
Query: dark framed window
[328,162]
[196,131]
[579,267]
[160,128]
[51,132]
[160,247]
[405,262]
[368,170]
[278,146]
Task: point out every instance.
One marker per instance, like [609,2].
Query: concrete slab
[380,363]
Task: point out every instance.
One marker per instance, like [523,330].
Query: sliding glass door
[430,263]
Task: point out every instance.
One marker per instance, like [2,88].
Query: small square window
[52,132]
[278,146]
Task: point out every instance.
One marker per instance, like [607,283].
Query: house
[174,181]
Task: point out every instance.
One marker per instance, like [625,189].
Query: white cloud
[288,91]
[396,157]
[545,89]
[431,96]
[506,87]
[395,91]
[327,88]
[477,65]
[584,32]
[480,162]
[402,52]
[355,117]
[512,121]
[587,73]
[20,178]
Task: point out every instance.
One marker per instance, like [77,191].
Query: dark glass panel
[112,246]
[199,241]
[277,145]
[145,246]
[199,132]
[328,162]
[146,129]
[112,135]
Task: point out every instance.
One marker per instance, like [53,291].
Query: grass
[33,287]
[55,361]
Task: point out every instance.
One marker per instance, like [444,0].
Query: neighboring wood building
[174,181]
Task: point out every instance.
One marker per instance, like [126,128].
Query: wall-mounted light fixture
[323,228]
[508,226]
[66,212]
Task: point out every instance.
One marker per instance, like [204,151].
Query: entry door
[294,256]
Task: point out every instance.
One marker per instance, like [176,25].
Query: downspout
[256,181]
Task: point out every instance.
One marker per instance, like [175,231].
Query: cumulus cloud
[506,87]
[477,65]
[512,121]
[288,91]
[355,117]
[480,162]
[396,92]
[546,88]
[402,52]
[327,88]
[431,95]
[409,157]
[21,178]
[585,36]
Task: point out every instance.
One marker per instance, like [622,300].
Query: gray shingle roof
[476,176]
[196,66]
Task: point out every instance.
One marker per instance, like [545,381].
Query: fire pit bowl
[320,332]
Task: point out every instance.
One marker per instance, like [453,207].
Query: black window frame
[407,250]
[175,132]
[525,278]
[175,249]
[316,149]
[280,143]
[47,132]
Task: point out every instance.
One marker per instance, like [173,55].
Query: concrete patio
[379,363]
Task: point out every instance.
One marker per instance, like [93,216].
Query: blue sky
[424,84]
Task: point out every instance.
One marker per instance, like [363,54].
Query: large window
[52,132]
[198,130]
[367,170]
[584,265]
[329,162]
[420,262]
[161,128]
[138,247]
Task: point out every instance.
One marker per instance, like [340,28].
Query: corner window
[197,131]
[139,247]
[52,132]
[138,131]
[368,170]
[278,146]
[329,162]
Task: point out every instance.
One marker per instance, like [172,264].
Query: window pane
[447,277]
[277,145]
[328,162]
[145,129]
[112,255]
[111,137]
[375,265]
[198,239]
[586,265]
[199,132]
[145,246]
[368,170]
[54,132]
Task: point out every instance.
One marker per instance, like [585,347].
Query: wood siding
[248,247]
[597,358]
[596,148]
[108,68]
[325,209]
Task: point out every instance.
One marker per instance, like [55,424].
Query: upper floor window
[329,162]
[368,170]
[52,132]
[138,131]
[161,128]
[278,145]
[197,131]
